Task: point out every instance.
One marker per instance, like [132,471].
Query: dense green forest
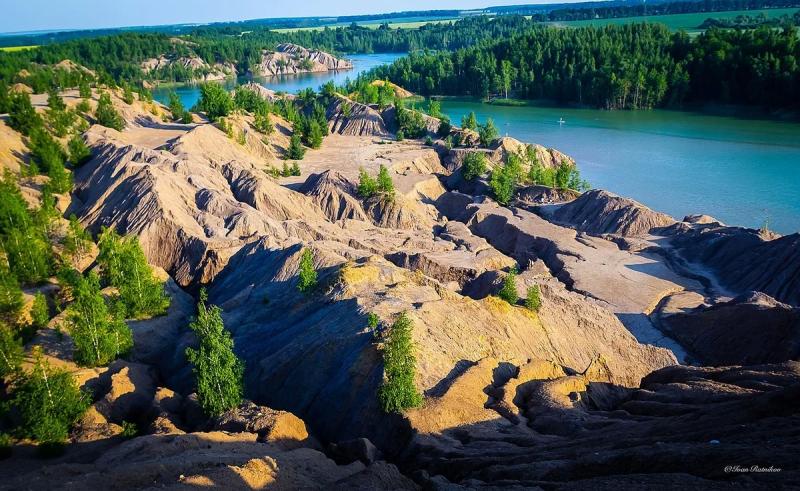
[600,11]
[119,56]
[630,66]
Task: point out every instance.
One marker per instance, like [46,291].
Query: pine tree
[306,272]
[84,90]
[219,372]
[106,114]
[99,335]
[470,121]
[488,133]
[54,101]
[295,150]
[49,403]
[21,114]
[474,165]
[77,239]
[11,351]
[508,291]
[127,94]
[11,299]
[398,391]
[215,101]
[40,312]
[314,134]
[384,183]
[176,106]
[79,152]
[533,300]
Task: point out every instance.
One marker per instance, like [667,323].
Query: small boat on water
[561,121]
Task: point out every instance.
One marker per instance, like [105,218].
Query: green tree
[508,291]
[314,134]
[127,94]
[125,267]
[488,133]
[533,299]
[296,151]
[218,371]
[215,101]
[79,152]
[398,391]
[384,182]
[262,121]
[40,312]
[106,115]
[49,403]
[99,335]
[11,299]
[474,165]
[503,183]
[77,239]
[367,186]
[306,272]
[562,175]
[435,108]
[84,90]
[11,351]
[46,152]
[28,253]
[54,101]
[470,121]
[176,106]
[60,180]
[21,114]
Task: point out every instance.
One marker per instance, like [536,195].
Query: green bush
[263,123]
[106,115]
[533,300]
[11,299]
[508,291]
[49,403]
[125,267]
[99,334]
[21,114]
[470,121]
[218,371]
[398,391]
[215,101]
[79,152]
[306,272]
[488,133]
[367,186]
[474,165]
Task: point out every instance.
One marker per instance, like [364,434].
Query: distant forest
[615,67]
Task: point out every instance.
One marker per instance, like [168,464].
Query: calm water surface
[741,171]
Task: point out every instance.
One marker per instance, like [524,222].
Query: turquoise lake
[741,171]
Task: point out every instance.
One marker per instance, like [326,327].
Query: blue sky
[29,15]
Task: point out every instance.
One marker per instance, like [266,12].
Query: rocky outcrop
[290,58]
[750,329]
[535,426]
[599,212]
[335,195]
[352,118]
[202,70]
[743,259]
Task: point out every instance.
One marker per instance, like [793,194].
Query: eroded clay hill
[514,397]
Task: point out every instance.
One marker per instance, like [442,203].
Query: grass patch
[18,48]
[677,22]
[509,102]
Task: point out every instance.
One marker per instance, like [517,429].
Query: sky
[32,15]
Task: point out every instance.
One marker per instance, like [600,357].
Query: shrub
[533,300]
[106,114]
[474,165]
[400,135]
[99,335]
[40,312]
[470,121]
[46,152]
[11,299]
[84,90]
[263,123]
[306,272]
[21,114]
[398,391]
[77,240]
[49,403]
[83,106]
[444,128]
[508,291]
[410,123]
[429,141]
[218,371]
[176,106]
[315,136]
[127,94]
[367,186]
[129,430]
